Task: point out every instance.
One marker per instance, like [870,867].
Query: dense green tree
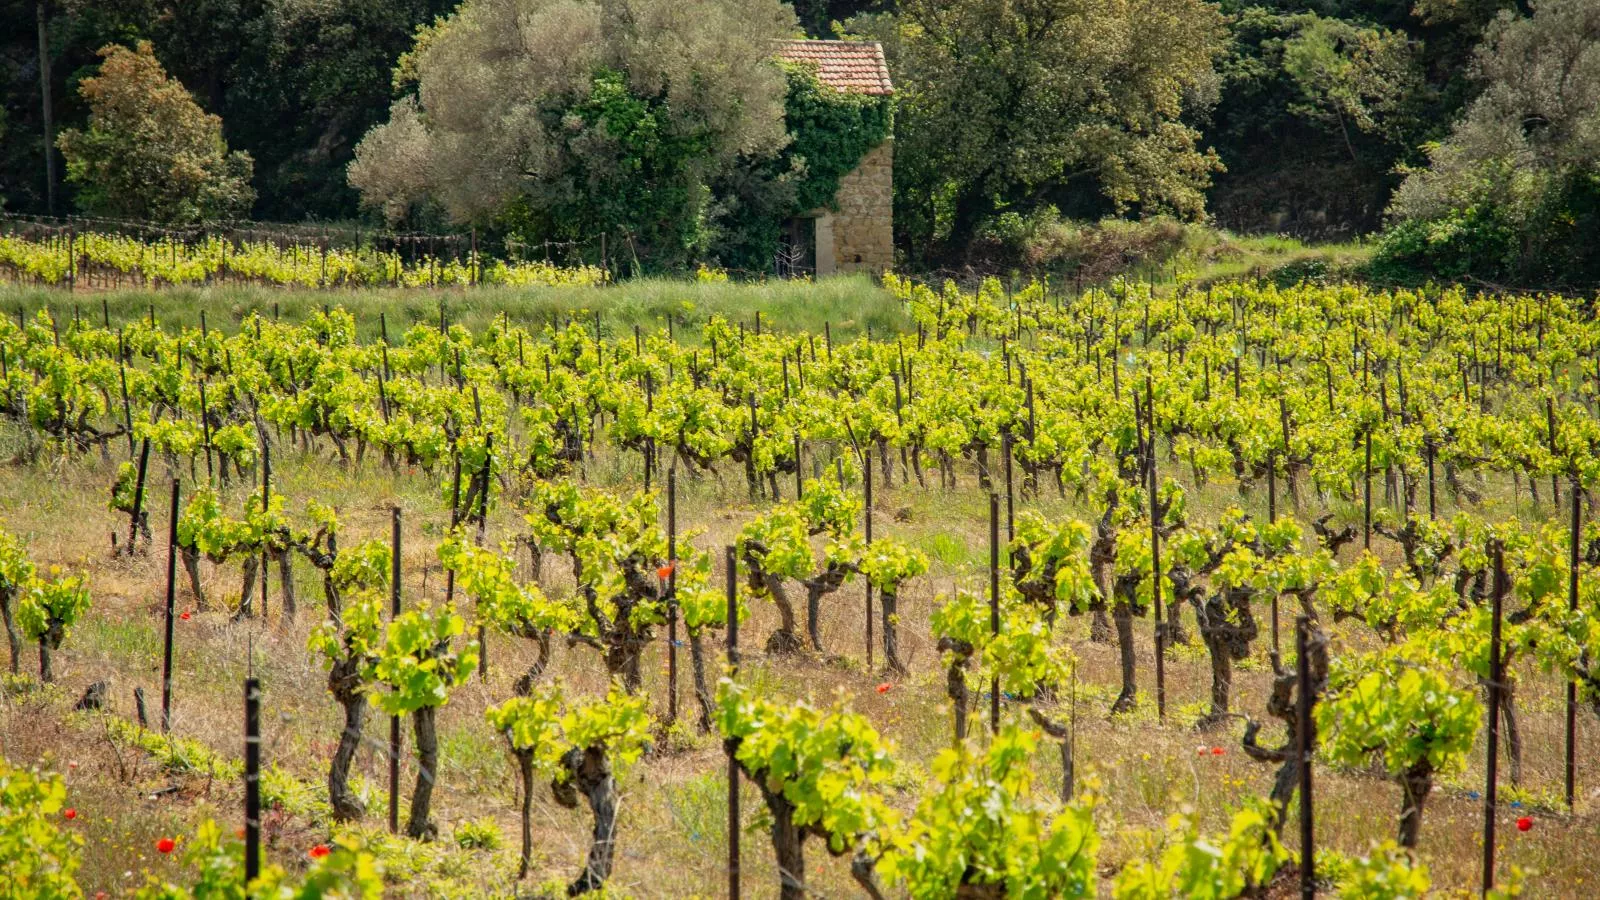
[577,119]
[1009,105]
[1315,112]
[296,82]
[1514,191]
[149,152]
[818,17]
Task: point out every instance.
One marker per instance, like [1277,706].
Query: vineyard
[69,258]
[1002,593]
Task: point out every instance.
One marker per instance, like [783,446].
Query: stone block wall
[863,225]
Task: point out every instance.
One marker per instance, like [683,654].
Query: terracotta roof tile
[846,66]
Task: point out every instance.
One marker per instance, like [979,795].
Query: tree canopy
[149,151]
[1514,191]
[1010,105]
[571,118]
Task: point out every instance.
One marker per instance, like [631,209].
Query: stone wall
[863,225]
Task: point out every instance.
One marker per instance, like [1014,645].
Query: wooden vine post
[733,762]
[1155,553]
[1490,788]
[866,459]
[1366,495]
[252,779]
[1304,744]
[266,503]
[394,721]
[1576,492]
[137,516]
[994,605]
[172,578]
[1272,519]
[672,595]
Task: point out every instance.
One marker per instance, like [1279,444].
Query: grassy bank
[848,304]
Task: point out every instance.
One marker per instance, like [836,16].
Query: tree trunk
[1123,616]
[1416,784]
[47,672]
[525,683]
[1221,682]
[956,688]
[1508,713]
[47,112]
[814,595]
[247,592]
[13,637]
[286,586]
[344,682]
[525,770]
[590,774]
[788,842]
[787,638]
[888,602]
[420,825]
[1099,626]
[191,566]
[622,661]
[701,693]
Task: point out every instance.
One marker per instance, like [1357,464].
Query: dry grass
[672,841]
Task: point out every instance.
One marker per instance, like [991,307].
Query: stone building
[857,235]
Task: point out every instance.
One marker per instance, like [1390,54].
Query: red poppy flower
[239,833]
[101,895]
[184,616]
[1216,751]
[166,845]
[319,851]
[1524,824]
[664,572]
[70,813]
[884,688]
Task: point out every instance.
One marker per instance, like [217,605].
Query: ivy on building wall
[831,132]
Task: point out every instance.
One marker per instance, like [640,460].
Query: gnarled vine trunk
[702,694]
[1415,785]
[1122,614]
[525,772]
[589,774]
[788,842]
[420,825]
[889,607]
[344,682]
[13,636]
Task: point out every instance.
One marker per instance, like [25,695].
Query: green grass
[847,304]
